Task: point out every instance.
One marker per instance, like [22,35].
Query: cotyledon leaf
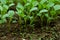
[57,7]
[43,10]
[33,9]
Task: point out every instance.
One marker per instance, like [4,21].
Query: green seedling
[44,11]
[10,15]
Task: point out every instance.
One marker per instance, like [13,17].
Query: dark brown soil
[43,33]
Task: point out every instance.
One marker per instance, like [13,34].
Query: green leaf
[58,0]
[31,17]
[1,8]
[50,4]
[21,14]
[43,11]
[0,16]
[51,0]
[11,4]
[2,21]
[25,1]
[10,13]
[33,9]
[39,14]
[4,16]
[3,1]
[52,13]
[35,3]
[42,1]
[27,4]
[57,7]
[5,8]
[46,15]
[29,0]
[50,18]
[19,6]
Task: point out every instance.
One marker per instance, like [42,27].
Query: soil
[42,33]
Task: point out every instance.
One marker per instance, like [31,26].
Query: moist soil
[43,33]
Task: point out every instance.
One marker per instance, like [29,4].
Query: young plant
[20,12]
[42,14]
[10,15]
